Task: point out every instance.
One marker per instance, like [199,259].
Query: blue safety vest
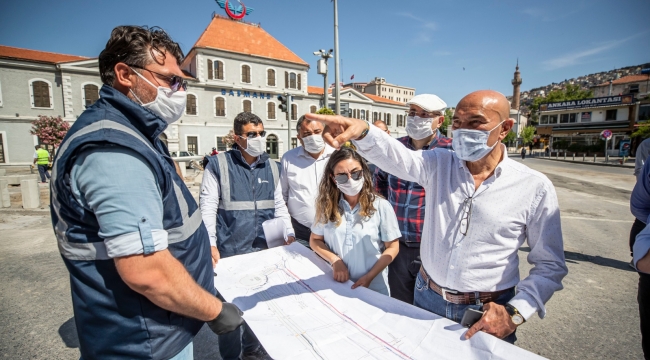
[113,321]
[245,202]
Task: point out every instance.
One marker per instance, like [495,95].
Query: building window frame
[216,143]
[313,109]
[294,114]
[31,93]
[241,73]
[294,142]
[83,92]
[198,143]
[196,99]
[609,117]
[275,110]
[4,150]
[243,107]
[214,70]
[214,106]
[275,77]
[1,103]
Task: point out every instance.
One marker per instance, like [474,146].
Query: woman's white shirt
[359,241]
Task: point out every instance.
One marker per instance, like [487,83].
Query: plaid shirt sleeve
[380,179]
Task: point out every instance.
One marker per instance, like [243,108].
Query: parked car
[185,156]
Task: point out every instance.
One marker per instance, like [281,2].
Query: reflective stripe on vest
[43,157]
[227,204]
[97,250]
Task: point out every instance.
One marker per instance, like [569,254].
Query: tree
[571,92]
[49,129]
[325,111]
[527,134]
[643,131]
[448,115]
[229,139]
[510,137]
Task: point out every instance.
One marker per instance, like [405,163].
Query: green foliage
[49,129]
[447,123]
[325,111]
[511,137]
[527,134]
[643,131]
[571,92]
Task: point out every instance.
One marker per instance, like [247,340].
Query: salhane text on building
[236,67]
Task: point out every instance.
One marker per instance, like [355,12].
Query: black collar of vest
[148,123]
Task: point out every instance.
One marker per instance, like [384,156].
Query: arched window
[272,146]
[246,74]
[219,106]
[91,94]
[41,96]
[388,122]
[363,114]
[218,70]
[190,105]
[312,109]
[292,81]
[270,77]
[375,116]
[247,106]
[270,110]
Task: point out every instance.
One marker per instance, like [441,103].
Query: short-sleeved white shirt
[359,241]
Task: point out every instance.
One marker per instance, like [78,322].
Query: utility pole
[323,70]
[337,85]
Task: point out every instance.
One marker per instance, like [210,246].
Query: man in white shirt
[302,170]
[484,206]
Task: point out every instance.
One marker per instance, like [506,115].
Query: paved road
[594,317]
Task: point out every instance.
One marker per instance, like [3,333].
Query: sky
[446,47]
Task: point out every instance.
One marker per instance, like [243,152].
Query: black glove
[229,319]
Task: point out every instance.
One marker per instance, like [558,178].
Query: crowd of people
[436,228]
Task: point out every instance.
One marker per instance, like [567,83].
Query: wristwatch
[516,317]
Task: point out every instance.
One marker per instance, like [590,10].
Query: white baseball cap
[428,102]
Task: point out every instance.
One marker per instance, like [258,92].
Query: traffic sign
[606,134]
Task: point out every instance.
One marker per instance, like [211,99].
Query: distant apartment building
[381,88]
[636,85]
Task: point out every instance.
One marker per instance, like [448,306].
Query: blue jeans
[42,170]
[185,354]
[230,344]
[429,300]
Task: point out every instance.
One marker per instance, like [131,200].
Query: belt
[462,298]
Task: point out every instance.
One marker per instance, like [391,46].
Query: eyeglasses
[254,134]
[343,178]
[175,82]
[466,215]
[424,114]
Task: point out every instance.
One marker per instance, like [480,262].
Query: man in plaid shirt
[426,115]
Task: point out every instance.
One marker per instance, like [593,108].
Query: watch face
[517,319]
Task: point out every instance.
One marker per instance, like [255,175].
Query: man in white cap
[426,114]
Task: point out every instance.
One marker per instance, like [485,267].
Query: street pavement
[594,317]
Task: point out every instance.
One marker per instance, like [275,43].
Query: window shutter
[91,94]
[220,107]
[312,109]
[286,79]
[294,110]
[190,108]
[210,69]
[270,110]
[299,81]
[247,106]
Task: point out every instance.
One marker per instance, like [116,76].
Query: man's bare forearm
[164,281]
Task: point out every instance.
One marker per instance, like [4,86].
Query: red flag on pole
[352,77]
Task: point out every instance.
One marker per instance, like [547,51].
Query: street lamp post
[322,69]
[337,85]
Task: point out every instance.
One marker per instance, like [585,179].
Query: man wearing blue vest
[128,229]
[239,192]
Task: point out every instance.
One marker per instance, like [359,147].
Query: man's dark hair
[37,147]
[245,118]
[135,46]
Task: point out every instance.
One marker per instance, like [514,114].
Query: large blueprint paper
[298,311]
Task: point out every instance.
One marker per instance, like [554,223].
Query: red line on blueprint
[389,346]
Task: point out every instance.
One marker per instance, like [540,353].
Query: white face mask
[471,145]
[352,187]
[419,128]
[255,146]
[314,144]
[168,105]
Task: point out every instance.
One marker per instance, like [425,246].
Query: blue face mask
[471,145]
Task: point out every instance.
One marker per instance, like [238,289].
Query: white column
[30,194]
[4,193]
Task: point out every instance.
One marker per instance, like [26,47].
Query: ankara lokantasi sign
[588,103]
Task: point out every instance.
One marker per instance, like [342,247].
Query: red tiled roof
[381,99]
[315,90]
[244,38]
[8,52]
[628,79]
